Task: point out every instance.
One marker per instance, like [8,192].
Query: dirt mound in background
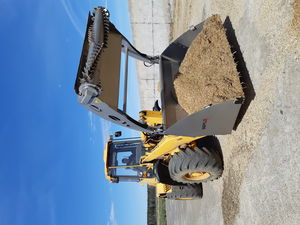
[208,74]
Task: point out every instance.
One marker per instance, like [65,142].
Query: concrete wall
[150,22]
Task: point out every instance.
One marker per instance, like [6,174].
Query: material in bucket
[208,74]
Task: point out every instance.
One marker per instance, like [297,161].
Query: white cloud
[93,127]
[72,16]
[92,120]
[105,129]
[112,216]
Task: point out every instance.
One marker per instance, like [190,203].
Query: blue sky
[51,165]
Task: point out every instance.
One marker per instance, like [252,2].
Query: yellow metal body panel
[152,118]
[168,145]
[162,189]
[105,159]
[148,180]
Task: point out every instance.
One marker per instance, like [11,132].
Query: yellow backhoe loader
[176,151]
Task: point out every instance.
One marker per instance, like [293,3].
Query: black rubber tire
[200,159]
[186,192]
[212,144]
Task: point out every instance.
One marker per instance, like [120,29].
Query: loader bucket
[216,119]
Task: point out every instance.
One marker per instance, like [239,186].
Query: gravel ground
[261,180]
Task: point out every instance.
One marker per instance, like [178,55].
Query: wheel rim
[196,176]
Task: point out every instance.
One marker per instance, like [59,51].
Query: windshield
[127,154]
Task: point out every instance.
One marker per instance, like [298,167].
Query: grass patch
[161,216]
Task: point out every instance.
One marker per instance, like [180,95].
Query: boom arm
[97,82]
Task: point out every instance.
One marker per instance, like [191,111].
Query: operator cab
[123,161]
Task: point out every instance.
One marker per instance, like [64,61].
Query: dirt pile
[208,74]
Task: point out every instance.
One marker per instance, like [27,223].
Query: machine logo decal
[204,121]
